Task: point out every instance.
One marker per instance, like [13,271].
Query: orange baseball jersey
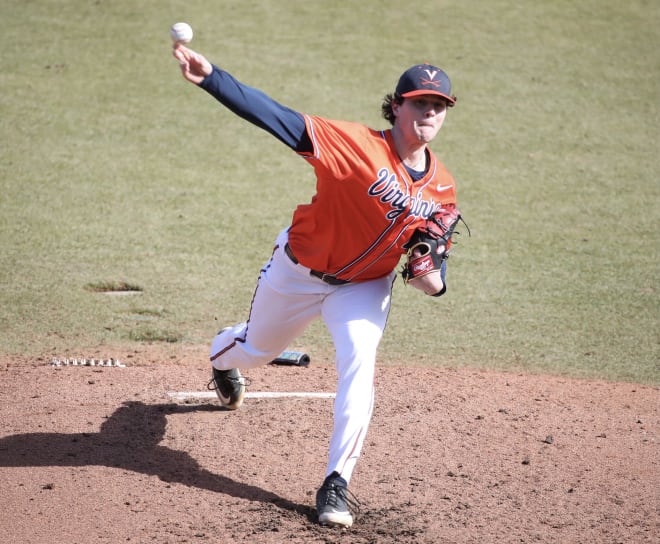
[366,204]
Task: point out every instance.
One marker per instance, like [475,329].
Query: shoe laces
[337,494]
[243,380]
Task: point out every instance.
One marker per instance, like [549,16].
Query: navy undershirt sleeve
[253,105]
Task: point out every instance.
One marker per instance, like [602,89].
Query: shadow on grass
[129,440]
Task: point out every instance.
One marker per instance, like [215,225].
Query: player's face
[421,117]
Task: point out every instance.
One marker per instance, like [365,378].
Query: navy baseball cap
[425,79]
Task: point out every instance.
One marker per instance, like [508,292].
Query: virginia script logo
[386,188]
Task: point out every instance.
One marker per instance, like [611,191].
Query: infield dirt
[104,455]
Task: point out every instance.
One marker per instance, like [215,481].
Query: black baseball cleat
[229,385]
[333,501]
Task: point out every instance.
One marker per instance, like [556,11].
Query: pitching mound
[105,455]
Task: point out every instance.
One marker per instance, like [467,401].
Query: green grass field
[114,170]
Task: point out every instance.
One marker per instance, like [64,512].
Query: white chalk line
[182,395]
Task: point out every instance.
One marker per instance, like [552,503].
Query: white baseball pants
[286,300]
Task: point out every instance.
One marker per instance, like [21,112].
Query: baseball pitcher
[379,194]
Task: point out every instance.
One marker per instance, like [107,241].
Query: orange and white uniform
[336,260]
[366,203]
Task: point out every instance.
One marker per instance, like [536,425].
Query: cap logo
[429,81]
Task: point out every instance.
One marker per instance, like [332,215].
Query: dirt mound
[104,454]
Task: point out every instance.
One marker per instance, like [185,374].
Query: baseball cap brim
[420,92]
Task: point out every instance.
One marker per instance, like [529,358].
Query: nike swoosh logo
[443,187]
[224,400]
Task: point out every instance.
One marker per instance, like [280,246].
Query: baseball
[181,33]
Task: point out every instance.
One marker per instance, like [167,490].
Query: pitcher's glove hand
[428,248]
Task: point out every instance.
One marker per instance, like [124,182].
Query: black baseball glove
[428,248]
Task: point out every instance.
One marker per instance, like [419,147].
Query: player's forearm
[251,104]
